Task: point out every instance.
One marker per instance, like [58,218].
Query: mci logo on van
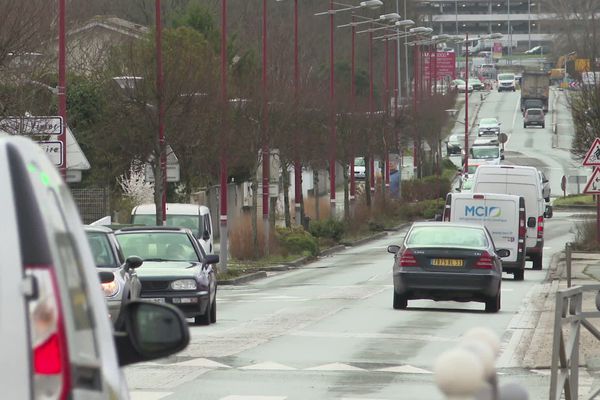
[483,211]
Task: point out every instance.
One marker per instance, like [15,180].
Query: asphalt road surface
[328,330]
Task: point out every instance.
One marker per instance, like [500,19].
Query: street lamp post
[162,180]
[62,83]
[529,23]
[466,160]
[223,232]
[265,149]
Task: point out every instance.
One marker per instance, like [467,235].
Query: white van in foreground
[520,181]
[193,216]
[504,217]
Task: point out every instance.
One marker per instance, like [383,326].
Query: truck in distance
[535,85]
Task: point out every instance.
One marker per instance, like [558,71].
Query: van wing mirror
[548,212]
[393,249]
[531,222]
[503,253]
[205,235]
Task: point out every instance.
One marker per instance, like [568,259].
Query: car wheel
[524,125]
[543,126]
[537,261]
[519,275]
[492,305]
[213,311]
[400,302]
[204,319]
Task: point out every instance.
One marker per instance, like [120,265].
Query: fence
[93,203]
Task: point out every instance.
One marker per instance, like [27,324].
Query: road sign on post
[592,157]
[32,126]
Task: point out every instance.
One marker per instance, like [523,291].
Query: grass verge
[574,200]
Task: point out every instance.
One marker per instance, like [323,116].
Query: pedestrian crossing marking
[240,397]
[269,366]
[204,363]
[404,369]
[335,367]
[142,395]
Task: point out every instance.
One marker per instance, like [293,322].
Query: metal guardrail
[564,375]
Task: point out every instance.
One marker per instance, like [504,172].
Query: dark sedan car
[447,261]
[176,270]
[108,257]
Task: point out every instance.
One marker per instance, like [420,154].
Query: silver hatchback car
[54,327]
[534,116]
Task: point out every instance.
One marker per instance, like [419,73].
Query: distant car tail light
[407,259]
[540,227]
[485,261]
[47,337]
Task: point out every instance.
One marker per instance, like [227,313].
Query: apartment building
[523,23]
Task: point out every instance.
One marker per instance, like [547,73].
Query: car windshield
[485,152]
[506,77]
[534,112]
[446,236]
[183,221]
[101,250]
[158,246]
[488,121]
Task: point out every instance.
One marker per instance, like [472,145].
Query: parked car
[460,86]
[447,261]
[476,83]
[534,116]
[176,269]
[193,216]
[488,126]
[55,336]
[108,257]
[359,168]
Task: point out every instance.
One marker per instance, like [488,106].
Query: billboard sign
[442,62]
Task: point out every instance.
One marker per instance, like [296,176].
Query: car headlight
[184,284]
[110,289]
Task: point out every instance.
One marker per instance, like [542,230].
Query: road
[328,330]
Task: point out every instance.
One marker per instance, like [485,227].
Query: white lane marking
[405,369]
[272,366]
[141,395]
[335,367]
[202,362]
[355,335]
[242,397]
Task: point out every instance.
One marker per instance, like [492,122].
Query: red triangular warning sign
[592,157]
[593,184]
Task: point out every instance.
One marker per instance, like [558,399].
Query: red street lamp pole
[371,111]
[416,78]
[297,163]
[353,94]
[466,162]
[161,113]
[387,109]
[62,83]
[265,150]
[333,133]
[223,234]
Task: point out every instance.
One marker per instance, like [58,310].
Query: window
[101,250]
[158,246]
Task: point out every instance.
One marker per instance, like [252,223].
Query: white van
[193,216]
[507,81]
[521,181]
[504,217]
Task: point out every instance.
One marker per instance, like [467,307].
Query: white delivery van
[193,216]
[520,181]
[504,217]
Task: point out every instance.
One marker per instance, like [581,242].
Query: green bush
[327,228]
[296,240]
[426,209]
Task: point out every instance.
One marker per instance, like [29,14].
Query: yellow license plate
[447,262]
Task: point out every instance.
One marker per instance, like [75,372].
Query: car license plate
[447,262]
[155,299]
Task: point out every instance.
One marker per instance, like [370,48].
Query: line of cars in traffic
[492,223]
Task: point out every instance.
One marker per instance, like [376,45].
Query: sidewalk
[536,346]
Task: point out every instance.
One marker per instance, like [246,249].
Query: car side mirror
[501,156]
[531,222]
[151,331]
[106,276]
[211,259]
[394,249]
[548,212]
[133,262]
[205,235]
[457,189]
[503,253]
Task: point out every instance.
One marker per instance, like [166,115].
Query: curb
[300,262]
